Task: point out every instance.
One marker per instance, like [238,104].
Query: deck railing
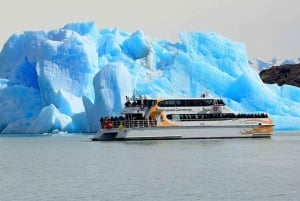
[128,124]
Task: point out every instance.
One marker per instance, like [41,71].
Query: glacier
[66,79]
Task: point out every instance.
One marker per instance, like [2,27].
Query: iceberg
[66,79]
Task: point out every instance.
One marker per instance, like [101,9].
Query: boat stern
[110,134]
[105,136]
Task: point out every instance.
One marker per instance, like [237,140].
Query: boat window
[208,102]
[169,116]
[176,117]
[220,102]
[149,103]
[198,103]
[162,103]
[171,103]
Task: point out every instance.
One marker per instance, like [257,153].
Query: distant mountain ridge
[278,72]
[259,64]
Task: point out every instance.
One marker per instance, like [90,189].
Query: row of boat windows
[190,103]
[195,117]
[146,102]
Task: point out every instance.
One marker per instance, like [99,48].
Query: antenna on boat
[134,94]
[205,91]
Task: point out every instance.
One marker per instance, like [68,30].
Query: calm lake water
[61,167]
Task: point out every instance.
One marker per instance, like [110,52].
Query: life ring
[109,125]
[215,108]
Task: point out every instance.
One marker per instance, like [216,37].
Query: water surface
[61,167]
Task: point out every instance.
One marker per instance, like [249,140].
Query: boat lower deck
[176,133]
[177,138]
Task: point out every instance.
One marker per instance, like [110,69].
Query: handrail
[129,124]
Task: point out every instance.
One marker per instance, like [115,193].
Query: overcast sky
[268,28]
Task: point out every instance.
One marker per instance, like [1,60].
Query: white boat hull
[193,132]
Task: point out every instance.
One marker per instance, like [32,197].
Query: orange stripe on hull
[268,129]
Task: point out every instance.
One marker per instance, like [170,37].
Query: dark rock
[285,74]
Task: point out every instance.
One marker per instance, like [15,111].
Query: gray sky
[268,28]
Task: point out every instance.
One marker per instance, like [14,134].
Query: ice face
[66,79]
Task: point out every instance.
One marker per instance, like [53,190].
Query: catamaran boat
[182,118]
